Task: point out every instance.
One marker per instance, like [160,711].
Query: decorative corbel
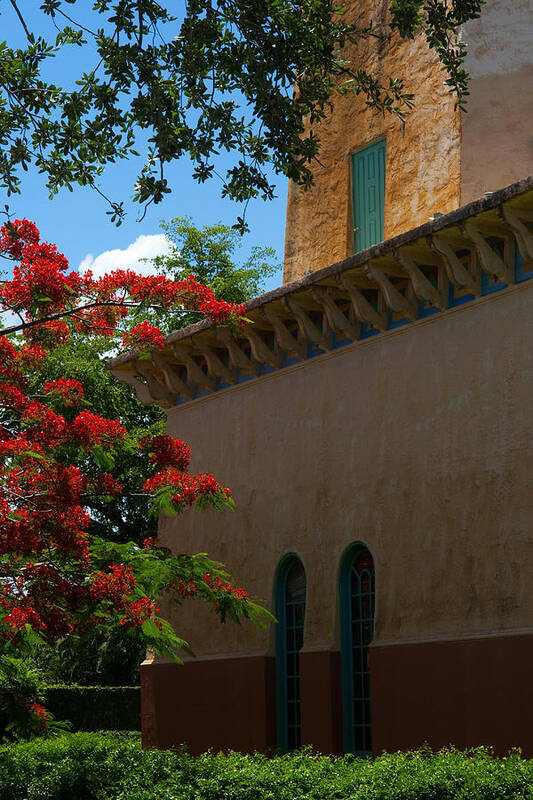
[130,377]
[336,319]
[394,299]
[284,338]
[523,235]
[260,350]
[490,260]
[364,311]
[158,389]
[172,379]
[195,373]
[423,288]
[307,327]
[216,367]
[456,272]
[237,356]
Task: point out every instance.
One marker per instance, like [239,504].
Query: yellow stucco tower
[378,178]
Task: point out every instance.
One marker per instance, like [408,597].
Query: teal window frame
[289,631]
[357,732]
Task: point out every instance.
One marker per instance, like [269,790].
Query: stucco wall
[497,130]
[422,159]
[417,442]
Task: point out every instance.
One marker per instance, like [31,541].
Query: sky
[77,222]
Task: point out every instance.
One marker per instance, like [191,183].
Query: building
[442,159]
[375,426]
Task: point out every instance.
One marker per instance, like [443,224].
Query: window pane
[358,624]
[290,641]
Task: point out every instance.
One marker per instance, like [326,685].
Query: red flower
[42,424]
[71,391]
[15,235]
[168,452]
[90,429]
[115,586]
[49,334]
[138,612]
[40,713]
[149,542]
[142,335]
[107,484]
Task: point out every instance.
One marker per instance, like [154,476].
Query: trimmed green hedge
[96,708]
[105,766]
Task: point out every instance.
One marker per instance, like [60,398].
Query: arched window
[357,601]
[290,613]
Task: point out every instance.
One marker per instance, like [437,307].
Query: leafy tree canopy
[247,77]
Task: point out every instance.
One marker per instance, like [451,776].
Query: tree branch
[21,18]
[72,312]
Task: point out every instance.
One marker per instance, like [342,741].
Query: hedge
[96,708]
[89,766]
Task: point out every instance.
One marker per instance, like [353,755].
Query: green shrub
[96,708]
[104,766]
[81,766]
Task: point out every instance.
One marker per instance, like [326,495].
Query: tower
[378,177]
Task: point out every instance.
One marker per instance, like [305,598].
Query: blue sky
[76,221]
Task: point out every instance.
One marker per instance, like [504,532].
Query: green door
[368,171]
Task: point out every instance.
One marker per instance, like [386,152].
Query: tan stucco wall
[418,442]
[422,158]
[497,130]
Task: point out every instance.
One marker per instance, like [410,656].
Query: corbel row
[308,318]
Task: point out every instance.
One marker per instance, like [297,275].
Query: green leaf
[104,458]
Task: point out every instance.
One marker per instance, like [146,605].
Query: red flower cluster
[221,311]
[142,335]
[15,361]
[115,586]
[185,489]
[227,588]
[18,618]
[107,484]
[41,715]
[41,285]
[168,452]
[151,541]
[14,237]
[42,424]
[70,391]
[90,429]
[184,589]
[49,334]
[138,612]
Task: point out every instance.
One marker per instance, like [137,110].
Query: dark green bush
[96,708]
[104,766]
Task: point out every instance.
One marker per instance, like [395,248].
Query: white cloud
[8,318]
[144,246]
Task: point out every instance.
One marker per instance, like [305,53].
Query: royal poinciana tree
[56,580]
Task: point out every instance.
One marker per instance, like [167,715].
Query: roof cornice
[451,259]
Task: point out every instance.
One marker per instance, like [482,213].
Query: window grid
[362,592]
[290,596]
[294,627]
